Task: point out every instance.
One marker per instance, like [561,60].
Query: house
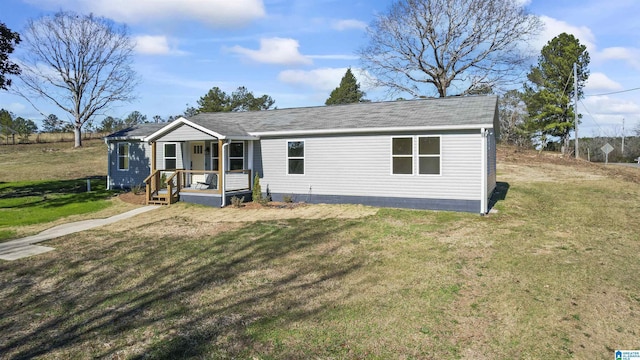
[424,154]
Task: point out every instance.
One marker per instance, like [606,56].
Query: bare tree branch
[424,47]
[80,63]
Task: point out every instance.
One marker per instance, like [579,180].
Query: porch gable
[184,132]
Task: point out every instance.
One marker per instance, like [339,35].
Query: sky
[297,51]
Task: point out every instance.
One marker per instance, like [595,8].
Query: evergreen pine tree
[348,92]
[550,90]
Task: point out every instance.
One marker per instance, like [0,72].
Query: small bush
[287,198]
[257,190]
[237,201]
[138,189]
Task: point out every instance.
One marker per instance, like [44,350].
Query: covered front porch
[188,164]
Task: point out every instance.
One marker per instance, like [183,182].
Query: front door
[197,155]
[197,161]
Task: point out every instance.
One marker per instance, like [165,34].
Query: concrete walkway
[20,248]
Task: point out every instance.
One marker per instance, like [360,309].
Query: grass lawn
[42,183]
[554,274]
[36,202]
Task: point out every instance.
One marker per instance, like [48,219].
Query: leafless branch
[467,44]
[80,63]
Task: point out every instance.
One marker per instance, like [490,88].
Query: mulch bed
[132,198]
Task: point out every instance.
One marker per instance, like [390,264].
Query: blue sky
[296,51]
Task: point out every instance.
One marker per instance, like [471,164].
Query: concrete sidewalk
[20,248]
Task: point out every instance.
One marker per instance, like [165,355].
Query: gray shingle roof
[441,112]
[137,131]
[471,111]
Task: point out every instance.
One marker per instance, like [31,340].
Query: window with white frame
[123,156]
[402,155]
[236,156]
[170,157]
[215,156]
[295,157]
[429,155]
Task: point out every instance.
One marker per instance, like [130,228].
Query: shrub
[138,189]
[257,190]
[287,198]
[237,201]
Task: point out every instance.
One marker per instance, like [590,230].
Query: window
[198,149]
[215,157]
[429,155]
[170,156]
[123,156]
[295,157]
[402,155]
[236,156]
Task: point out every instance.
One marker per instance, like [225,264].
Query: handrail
[178,180]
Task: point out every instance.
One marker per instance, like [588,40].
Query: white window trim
[213,159]
[165,157]
[229,157]
[417,150]
[413,150]
[303,158]
[120,155]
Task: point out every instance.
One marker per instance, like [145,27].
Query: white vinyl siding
[123,156]
[295,157]
[362,166]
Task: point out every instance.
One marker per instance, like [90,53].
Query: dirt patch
[531,165]
[132,198]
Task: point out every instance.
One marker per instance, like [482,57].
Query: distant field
[52,161]
[41,185]
[52,138]
[554,274]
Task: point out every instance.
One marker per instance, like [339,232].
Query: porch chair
[203,182]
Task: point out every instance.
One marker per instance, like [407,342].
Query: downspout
[223,176]
[483,183]
[106,141]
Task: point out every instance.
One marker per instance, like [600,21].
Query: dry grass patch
[554,274]
[53,161]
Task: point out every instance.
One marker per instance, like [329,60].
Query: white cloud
[275,51]
[605,105]
[323,79]
[217,13]
[554,27]
[601,82]
[629,55]
[334,57]
[154,45]
[348,24]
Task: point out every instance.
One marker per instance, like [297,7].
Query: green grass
[35,202]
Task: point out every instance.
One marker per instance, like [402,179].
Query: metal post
[575,108]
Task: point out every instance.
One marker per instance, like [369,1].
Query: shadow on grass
[499,194]
[171,297]
[54,193]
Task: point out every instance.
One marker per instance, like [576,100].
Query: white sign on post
[606,149]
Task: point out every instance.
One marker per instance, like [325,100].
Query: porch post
[153,157]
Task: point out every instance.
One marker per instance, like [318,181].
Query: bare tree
[81,63]
[469,44]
